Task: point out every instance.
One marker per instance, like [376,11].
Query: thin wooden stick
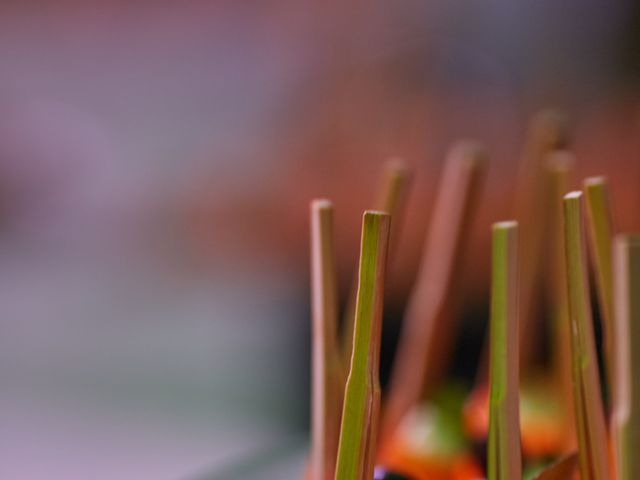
[547,133]
[600,229]
[363,389]
[563,469]
[626,411]
[424,322]
[390,199]
[504,455]
[559,167]
[327,371]
[590,424]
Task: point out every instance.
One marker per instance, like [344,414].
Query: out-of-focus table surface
[111,369]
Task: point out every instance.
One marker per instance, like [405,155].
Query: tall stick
[390,199]
[600,228]
[327,372]
[590,424]
[559,167]
[362,395]
[547,133]
[504,455]
[626,411]
[425,322]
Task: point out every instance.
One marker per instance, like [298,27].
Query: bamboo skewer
[547,133]
[559,167]
[327,371]
[590,424]
[362,394]
[504,455]
[600,228]
[390,199]
[423,323]
[626,411]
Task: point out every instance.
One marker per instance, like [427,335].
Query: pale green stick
[589,415]
[327,372]
[626,411]
[504,455]
[425,329]
[358,413]
[390,199]
[601,231]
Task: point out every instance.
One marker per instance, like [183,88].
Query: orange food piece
[396,457]
[542,432]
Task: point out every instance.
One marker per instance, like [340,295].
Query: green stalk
[359,422]
[589,415]
[327,372]
[504,455]
[600,228]
[626,411]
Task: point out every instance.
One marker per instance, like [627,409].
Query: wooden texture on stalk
[589,414]
[391,198]
[626,405]
[327,370]
[426,321]
[362,393]
[504,458]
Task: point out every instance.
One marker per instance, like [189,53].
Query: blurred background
[156,163]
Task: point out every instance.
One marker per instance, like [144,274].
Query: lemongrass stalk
[559,167]
[504,455]
[390,199]
[600,229]
[362,387]
[589,415]
[626,407]
[425,322]
[327,372]
[563,469]
[547,133]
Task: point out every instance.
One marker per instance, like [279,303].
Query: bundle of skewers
[518,421]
